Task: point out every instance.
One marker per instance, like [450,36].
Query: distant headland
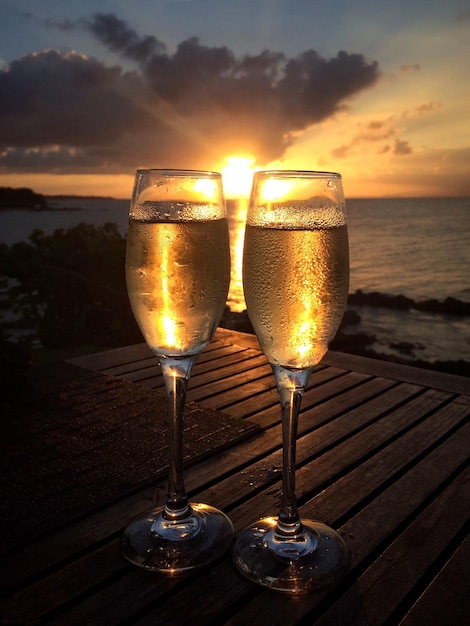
[22,198]
[26,199]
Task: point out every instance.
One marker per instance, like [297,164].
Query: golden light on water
[237,176]
[237,237]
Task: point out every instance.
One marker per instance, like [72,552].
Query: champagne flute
[295,279]
[177,273]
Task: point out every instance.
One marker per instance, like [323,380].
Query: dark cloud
[63,112]
[115,34]
[66,99]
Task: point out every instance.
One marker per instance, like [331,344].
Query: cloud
[115,34]
[402,147]
[427,107]
[415,67]
[67,99]
[386,133]
[65,112]
[373,132]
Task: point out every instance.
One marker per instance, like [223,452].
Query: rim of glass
[297,174]
[179,172]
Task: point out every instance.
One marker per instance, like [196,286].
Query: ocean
[418,248]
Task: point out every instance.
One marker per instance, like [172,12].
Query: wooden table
[382,456]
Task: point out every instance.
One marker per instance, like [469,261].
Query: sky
[377,90]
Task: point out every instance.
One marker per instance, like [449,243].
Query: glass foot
[315,558]
[177,546]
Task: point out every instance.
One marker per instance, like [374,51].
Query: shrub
[70,286]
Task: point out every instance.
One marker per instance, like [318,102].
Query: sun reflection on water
[237,210]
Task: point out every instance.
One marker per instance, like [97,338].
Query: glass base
[176,546]
[315,558]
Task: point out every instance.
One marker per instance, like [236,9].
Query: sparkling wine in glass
[177,273]
[295,279]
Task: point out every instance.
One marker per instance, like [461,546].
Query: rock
[378,299]
[450,306]
[406,347]
[350,318]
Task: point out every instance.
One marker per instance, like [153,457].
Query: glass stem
[291,386]
[176,372]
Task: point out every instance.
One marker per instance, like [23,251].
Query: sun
[237,175]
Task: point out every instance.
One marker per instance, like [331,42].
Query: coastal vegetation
[69,288]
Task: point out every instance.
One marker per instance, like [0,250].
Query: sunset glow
[369,95]
[275,190]
[207,187]
[237,175]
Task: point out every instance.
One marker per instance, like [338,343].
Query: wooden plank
[209,359]
[264,407]
[260,480]
[378,592]
[388,448]
[237,338]
[377,456]
[403,500]
[118,601]
[142,597]
[31,604]
[252,383]
[118,361]
[374,367]
[78,537]
[396,371]
[238,458]
[89,439]
[112,519]
[223,393]
[124,599]
[198,606]
[111,358]
[446,600]
[227,357]
[372,529]
[225,369]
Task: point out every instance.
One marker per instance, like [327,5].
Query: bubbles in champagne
[175,211]
[177,277]
[313,213]
[296,285]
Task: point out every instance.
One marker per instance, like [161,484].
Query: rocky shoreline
[449,306]
[360,342]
